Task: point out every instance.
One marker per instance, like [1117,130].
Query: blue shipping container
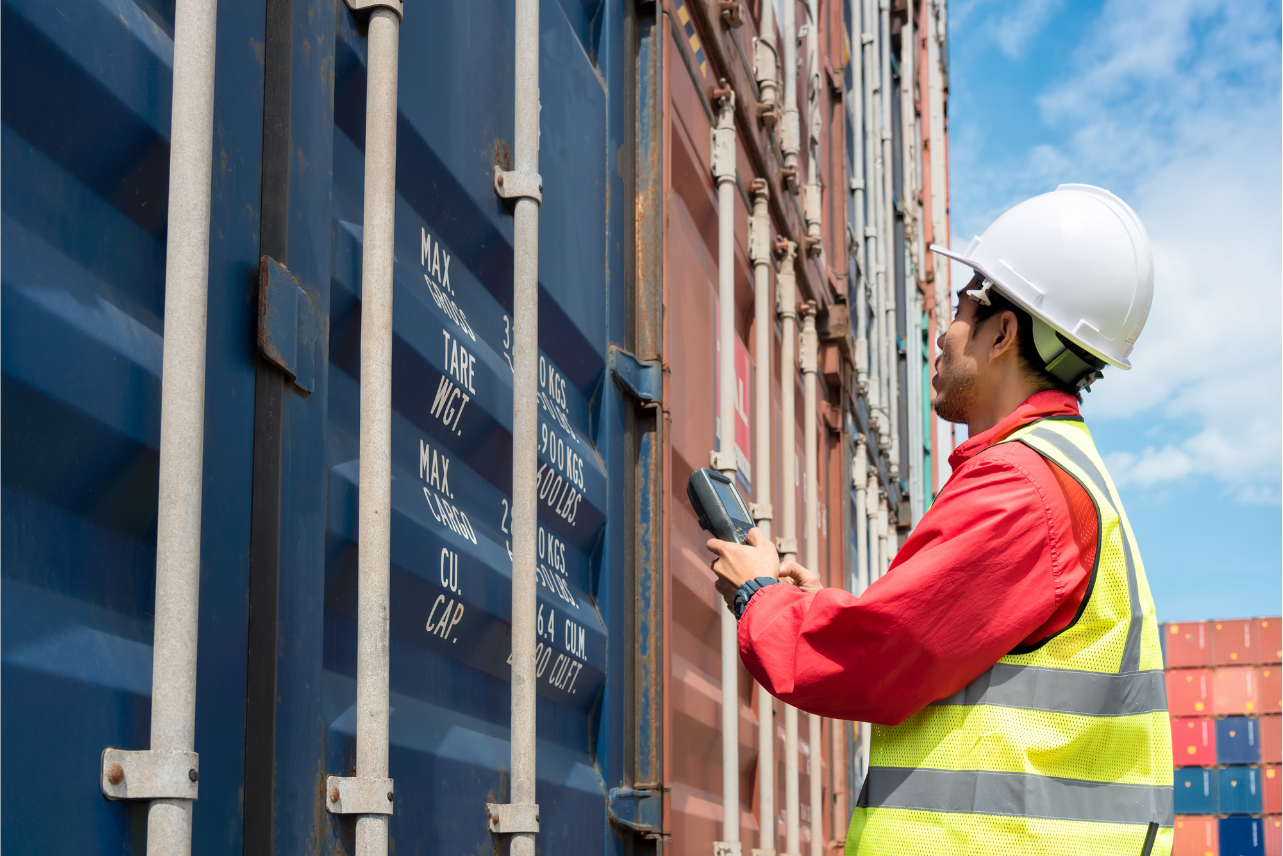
[86,117]
[1238,790]
[1194,790]
[1241,836]
[1238,740]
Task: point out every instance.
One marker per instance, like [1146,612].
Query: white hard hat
[1077,259]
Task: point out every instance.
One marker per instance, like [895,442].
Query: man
[1009,658]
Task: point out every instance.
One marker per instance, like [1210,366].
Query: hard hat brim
[1006,292]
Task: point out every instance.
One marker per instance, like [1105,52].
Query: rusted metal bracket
[289,325]
[149,774]
[732,13]
[515,184]
[638,809]
[367,6]
[504,818]
[643,379]
[728,848]
[356,795]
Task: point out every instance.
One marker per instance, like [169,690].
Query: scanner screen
[731,502]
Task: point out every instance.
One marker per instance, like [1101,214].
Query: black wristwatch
[745,593]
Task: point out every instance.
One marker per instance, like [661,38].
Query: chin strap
[1061,361]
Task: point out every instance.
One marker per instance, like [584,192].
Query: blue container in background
[1238,790]
[1195,790]
[1242,836]
[1238,740]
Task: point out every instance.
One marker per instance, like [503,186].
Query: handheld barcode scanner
[720,508]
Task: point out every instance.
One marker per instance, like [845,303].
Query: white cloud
[1013,28]
[1014,33]
[1175,106]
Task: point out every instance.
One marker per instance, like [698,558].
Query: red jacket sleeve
[976,578]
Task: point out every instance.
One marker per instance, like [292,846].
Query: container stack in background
[1225,699]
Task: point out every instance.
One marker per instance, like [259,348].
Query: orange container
[1271,689]
[1236,691]
[1272,788]
[1187,645]
[1196,835]
[1269,636]
[1189,692]
[1273,835]
[1272,739]
[1234,643]
[1194,741]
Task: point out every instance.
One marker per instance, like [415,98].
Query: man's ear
[1006,335]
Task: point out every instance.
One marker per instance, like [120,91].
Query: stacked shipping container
[1226,704]
[849,168]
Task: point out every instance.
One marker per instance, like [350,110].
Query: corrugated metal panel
[451,444]
[86,115]
[694,695]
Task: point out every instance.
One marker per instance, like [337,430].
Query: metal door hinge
[504,818]
[642,379]
[289,324]
[150,774]
[723,462]
[367,6]
[637,809]
[358,795]
[516,184]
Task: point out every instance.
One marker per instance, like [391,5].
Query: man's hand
[736,564]
[792,572]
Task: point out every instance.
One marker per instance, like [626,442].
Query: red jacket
[1002,559]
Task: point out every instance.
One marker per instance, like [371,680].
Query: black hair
[1026,349]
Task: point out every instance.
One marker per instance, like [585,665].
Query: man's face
[954,387]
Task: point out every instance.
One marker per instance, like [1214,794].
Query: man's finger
[717,546]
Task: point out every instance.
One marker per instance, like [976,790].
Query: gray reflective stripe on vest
[1065,691]
[1131,648]
[1016,795]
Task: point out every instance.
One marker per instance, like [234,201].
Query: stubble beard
[954,402]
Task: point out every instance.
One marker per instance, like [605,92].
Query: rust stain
[258,48]
[502,155]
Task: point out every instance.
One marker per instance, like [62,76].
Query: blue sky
[1174,105]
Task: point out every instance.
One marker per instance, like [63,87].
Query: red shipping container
[1271,689]
[1196,835]
[1271,739]
[1234,643]
[1187,645]
[1273,835]
[1189,692]
[1194,741]
[1269,638]
[1272,788]
[1236,691]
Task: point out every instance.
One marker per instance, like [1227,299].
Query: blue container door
[451,437]
[1238,740]
[1238,790]
[1241,836]
[1194,790]
[85,141]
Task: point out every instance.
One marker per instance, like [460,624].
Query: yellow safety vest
[1064,748]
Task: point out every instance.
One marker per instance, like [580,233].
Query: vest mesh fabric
[1060,748]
